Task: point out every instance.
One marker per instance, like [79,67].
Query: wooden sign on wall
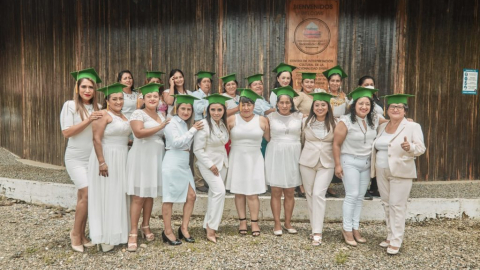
[312,38]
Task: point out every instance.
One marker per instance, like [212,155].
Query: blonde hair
[79,106]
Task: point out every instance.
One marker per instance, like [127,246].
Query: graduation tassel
[76,87]
[138,102]
[174,108]
[384,110]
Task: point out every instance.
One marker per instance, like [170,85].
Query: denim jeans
[356,177]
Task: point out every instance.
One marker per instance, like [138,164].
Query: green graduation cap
[217,98]
[188,99]
[284,67]
[254,78]
[205,74]
[321,96]
[285,90]
[154,74]
[112,89]
[228,78]
[86,73]
[308,75]
[150,88]
[335,70]
[249,93]
[362,92]
[397,98]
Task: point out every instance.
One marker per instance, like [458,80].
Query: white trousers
[216,196]
[316,181]
[356,177]
[394,193]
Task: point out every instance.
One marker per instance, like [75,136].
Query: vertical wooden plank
[400,40]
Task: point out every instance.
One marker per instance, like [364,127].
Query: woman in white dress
[176,87]
[284,78]
[144,164]
[130,95]
[108,202]
[177,179]
[246,169]
[212,160]
[75,120]
[155,77]
[282,155]
[352,146]
[316,160]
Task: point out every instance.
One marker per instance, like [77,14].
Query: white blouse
[177,135]
[381,160]
[70,117]
[209,146]
[358,141]
[129,103]
[231,103]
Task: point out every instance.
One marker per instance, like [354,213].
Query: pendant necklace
[364,132]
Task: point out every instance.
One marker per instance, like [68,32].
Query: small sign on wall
[470,81]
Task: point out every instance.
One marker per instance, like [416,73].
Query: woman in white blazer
[394,150]
[212,160]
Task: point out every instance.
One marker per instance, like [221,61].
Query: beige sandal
[150,237]
[132,247]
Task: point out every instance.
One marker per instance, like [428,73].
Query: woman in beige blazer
[316,160]
[394,150]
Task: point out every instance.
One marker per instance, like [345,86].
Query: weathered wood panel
[442,40]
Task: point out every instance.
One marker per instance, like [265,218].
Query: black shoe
[175,242]
[255,233]
[368,197]
[181,236]
[202,189]
[374,194]
[330,194]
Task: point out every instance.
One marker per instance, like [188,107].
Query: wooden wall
[442,39]
[49,39]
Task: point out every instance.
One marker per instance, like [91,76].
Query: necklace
[364,132]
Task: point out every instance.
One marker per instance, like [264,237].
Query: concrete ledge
[64,195]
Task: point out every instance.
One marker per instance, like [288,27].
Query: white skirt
[144,168]
[76,163]
[108,204]
[246,171]
[281,164]
[176,176]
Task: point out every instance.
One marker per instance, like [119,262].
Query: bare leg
[187,210]
[167,220]
[240,204]
[254,206]
[135,209]
[147,213]
[81,211]
[288,205]
[276,204]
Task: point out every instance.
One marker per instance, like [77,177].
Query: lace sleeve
[137,115]
[346,120]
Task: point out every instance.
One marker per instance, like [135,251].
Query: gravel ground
[11,168]
[36,237]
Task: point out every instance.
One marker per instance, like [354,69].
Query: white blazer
[209,147]
[400,162]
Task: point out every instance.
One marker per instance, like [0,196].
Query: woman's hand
[214,170]
[339,171]
[164,123]
[198,125]
[103,170]
[171,82]
[405,144]
[94,116]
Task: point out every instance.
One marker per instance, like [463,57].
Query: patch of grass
[48,260]
[31,250]
[341,257]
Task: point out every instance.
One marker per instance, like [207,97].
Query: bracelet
[102,164]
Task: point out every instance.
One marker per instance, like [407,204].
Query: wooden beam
[400,42]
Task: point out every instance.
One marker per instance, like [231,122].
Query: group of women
[241,143]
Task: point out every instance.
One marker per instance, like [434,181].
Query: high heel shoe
[384,244]
[240,231]
[352,243]
[132,247]
[105,247]
[76,248]
[359,239]
[181,236]
[316,240]
[255,233]
[392,251]
[150,237]
[88,244]
[290,231]
[175,242]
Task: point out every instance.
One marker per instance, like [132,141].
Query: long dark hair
[209,117]
[370,116]
[362,80]
[120,74]
[292,109]
[277,84]
[329,118]
[172,72]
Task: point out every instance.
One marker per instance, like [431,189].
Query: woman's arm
[417,146]
[98,128]
[232,111]
[136,123]
[200,143]
[181,140]
[266,128]
[339,136]
[66,121]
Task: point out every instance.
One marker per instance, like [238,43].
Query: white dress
[246,169]
[176,172]
[283,151]
[144,164]
[129,103]
[233,102]
[79,147]
[108,203]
